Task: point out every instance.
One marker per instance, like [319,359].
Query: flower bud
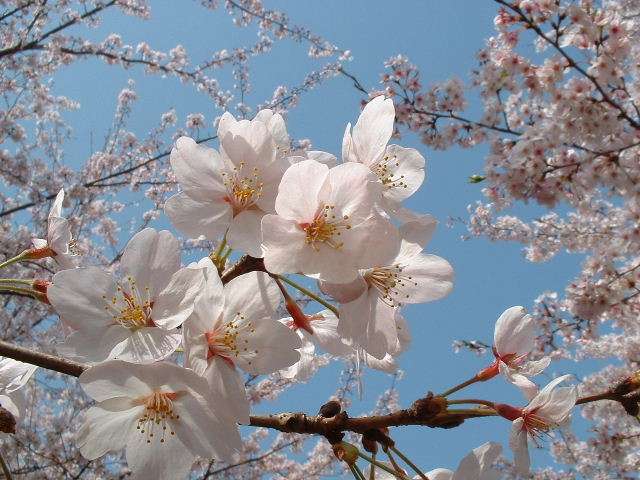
[628,385]
[330,409]
[346,452]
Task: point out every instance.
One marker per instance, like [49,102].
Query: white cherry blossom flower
[14,375]
[162,415]
[234,326]
[59,243]
[547,410]
[326,223]
[400,170]
[133,318]
[368,304]
[227,192]
[513,340]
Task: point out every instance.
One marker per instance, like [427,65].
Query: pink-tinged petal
[196,348]
[249,142]
[519,445]
[58,234]
[401,171]
[224,123]
[175,303]
[228,382]
[375,241]
[56,207]
[194,218]
[526,386]
[107,427]
[354,318]
[299,188]
[322,157]
[387,364]
[402,332]
[441,474]
[80,296]
[114,379]
[66,261]
[325,334]
[198,170]
[270,176]
[382,335]
[534,367]
[253,294]
[270,347]
[344,292]
[417,228]
[546,395]
[284,247]
[353,189]
[245,233]
[209,305]
[558,405]
[424,278]
[151,258]
[514,332]
[373,129]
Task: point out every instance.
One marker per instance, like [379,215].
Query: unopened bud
[330,409]
[429,406]
[369,444]
[346,452]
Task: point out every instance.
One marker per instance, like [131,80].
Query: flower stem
[409,462]
[19,291]
[473,411]
[17,280]
[470,400]
[595,398]
[17,258]
[382,466]
[399,471]
[356,468]
[372,469]
[471,381]
[309,294]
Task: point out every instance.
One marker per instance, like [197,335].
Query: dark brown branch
[44,360]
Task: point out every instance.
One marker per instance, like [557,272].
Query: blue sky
[441,37]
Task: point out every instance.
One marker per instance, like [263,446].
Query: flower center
[535,425]
[389,281]
[158,415]
[130,308]
[230,340]
[384,170]
[325,228]
[244,188]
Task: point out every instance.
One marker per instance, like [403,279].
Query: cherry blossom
[227,192]
[59,243]
[400,170]
[163,415]
[325,218]
[234,326]
[14,375]
[514,339]
[548,409]
[132,319]
[368,304]
[477,465]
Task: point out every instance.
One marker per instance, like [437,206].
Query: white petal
[14,374]
[228,382]
[353,189]
[195,218]
[418,228]
[114,379]
[253,294]
[107,427]
[424,278]
[198,170]
[56,207]
[175,303]
[514,332]
[151,258]
[95,344]
[78,296]
[245,233]
[441,474]
[150,461]
[298,192]
[149,344]
[344,292]
[58,234]
[406,172]
[519,445]
[373,129]
[323,157]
